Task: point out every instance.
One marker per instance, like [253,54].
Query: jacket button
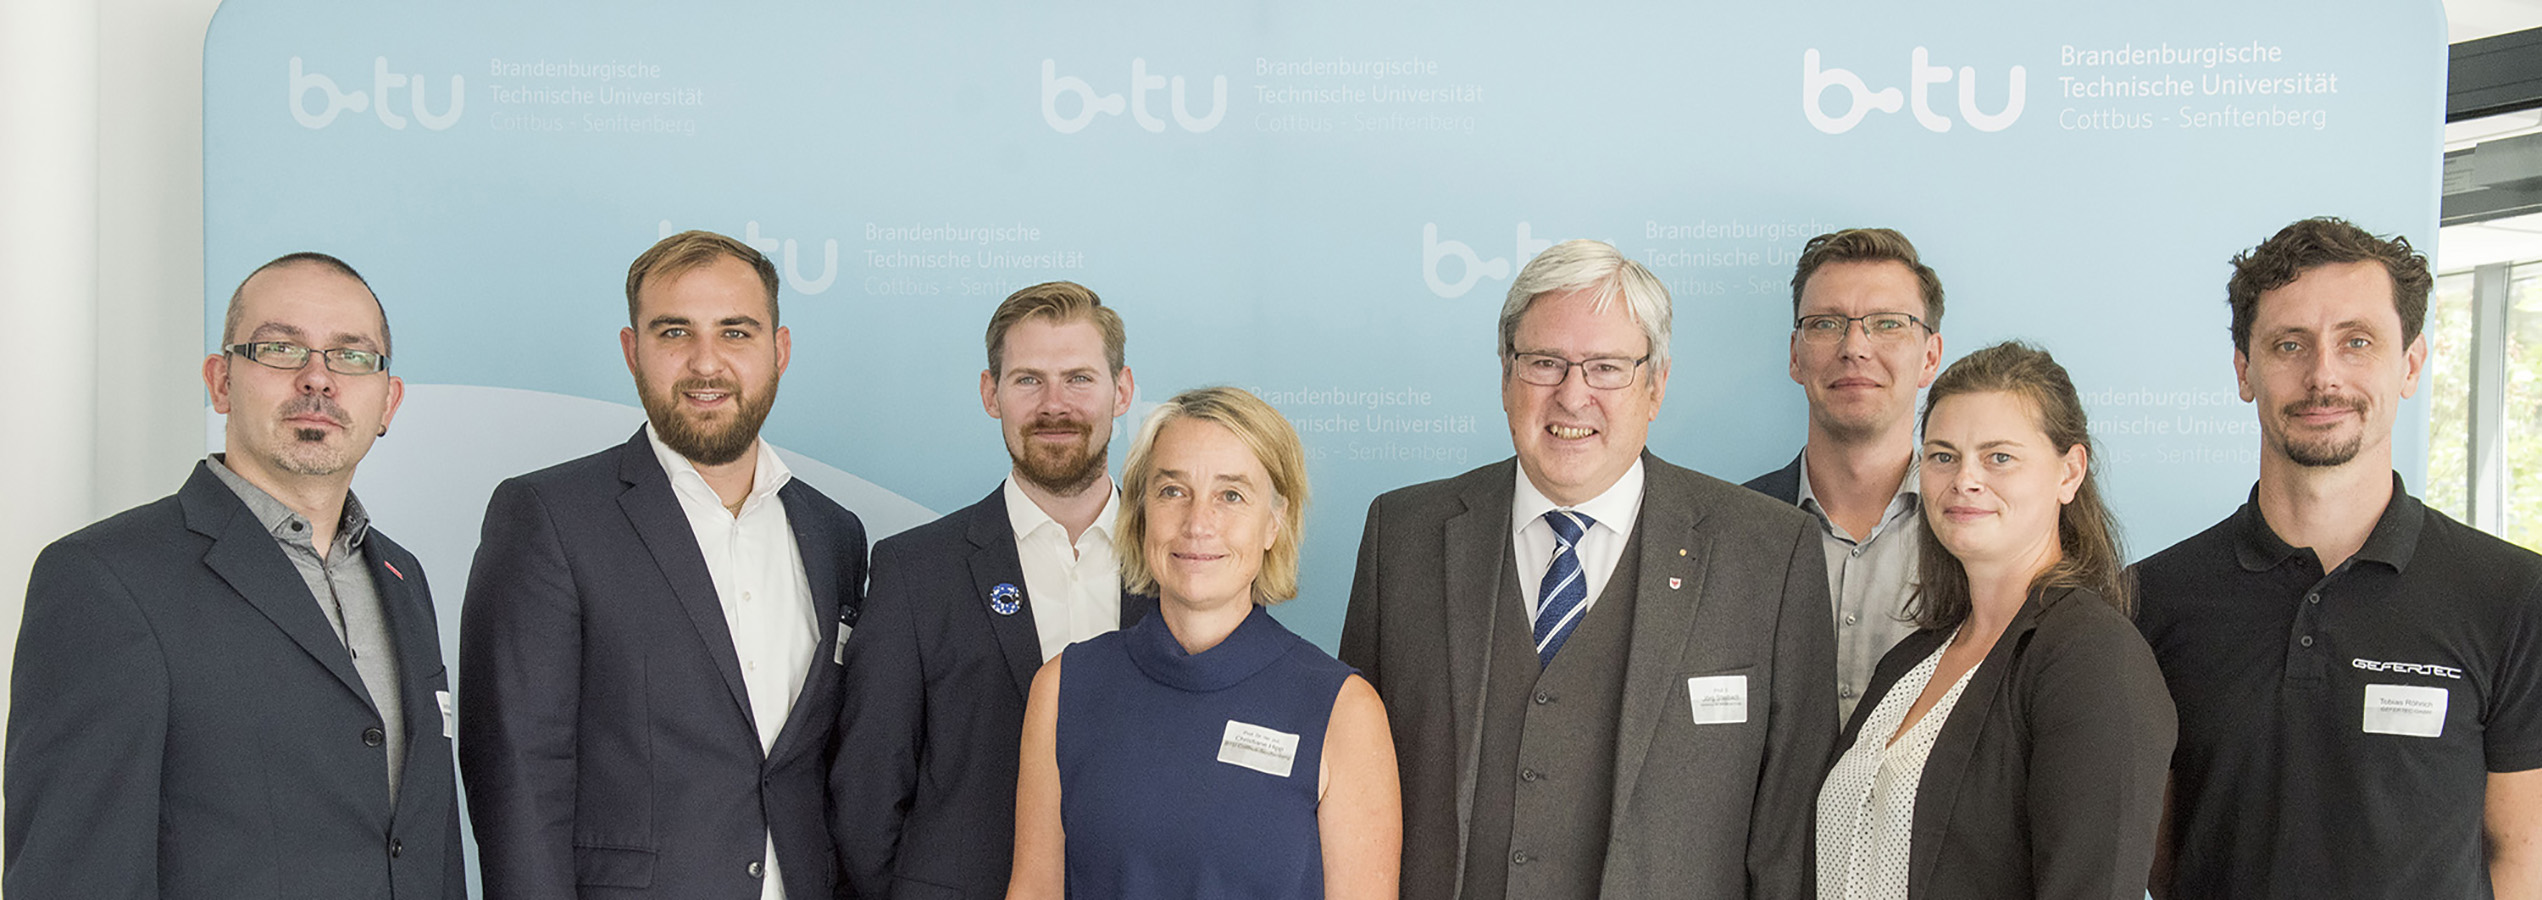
[373,737]
[1542,699]
[753,868]
[395,847]
[1519,858]
[1528,775]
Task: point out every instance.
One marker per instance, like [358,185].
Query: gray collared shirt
[339,581]
[1869,581]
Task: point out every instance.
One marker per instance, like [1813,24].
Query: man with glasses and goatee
[1866,320]
[236,692]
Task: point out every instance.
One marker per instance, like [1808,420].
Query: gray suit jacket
[1731,583]
[183,722]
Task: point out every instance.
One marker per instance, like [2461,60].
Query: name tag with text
[1718,699]
[2405,709]
[1258,748]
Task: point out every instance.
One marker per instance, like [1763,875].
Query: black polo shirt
[2337,732]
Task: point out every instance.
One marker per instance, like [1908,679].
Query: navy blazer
[2047,780]
[184,723]
[934,712]
[606,736]
[1781,484]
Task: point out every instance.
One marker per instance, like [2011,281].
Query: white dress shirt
[1601,547]
[758,572]
[1075,589]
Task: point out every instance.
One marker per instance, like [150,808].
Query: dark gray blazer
[1731,583]
[605,733]
[183,722]
[1781,484]
[2047,780]
[924,785]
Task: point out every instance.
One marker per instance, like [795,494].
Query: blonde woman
[1207,751]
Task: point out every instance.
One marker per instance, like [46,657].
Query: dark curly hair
[2323,241]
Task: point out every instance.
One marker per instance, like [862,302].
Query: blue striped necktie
[1564,594]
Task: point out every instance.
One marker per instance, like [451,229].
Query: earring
[383,431]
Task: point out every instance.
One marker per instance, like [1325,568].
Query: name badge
[449,720]
[2405,709]
[1258,748]
[1718,699]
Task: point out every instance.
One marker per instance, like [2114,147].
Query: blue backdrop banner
[1319,201]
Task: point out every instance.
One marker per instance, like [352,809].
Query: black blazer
[924,784]
[1781,484]
[2047,780]
[606,737]
[184,723]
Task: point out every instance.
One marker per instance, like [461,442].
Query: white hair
[1576,264]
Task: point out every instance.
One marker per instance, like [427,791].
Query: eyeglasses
[1605,373]
[1880,326]
[286,355]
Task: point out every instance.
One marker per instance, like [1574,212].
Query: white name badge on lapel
[1718,699]
[2405,709]
[449,721]
[1258,748]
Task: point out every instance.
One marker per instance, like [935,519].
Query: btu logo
[376,100]
[790,249]
[1090,103]
[1471,266]
[1921,77]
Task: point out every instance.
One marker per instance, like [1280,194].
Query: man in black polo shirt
[2359,677]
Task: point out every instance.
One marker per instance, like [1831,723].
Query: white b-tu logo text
[1091,104]
[376,100]
[1922,75]
[1471,266]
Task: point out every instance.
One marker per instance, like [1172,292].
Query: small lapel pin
[1005,599]
[392,569]
[1675,582]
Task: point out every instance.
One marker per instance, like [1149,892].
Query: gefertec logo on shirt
[2407,668]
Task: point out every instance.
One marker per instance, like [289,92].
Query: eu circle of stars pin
[1005,599]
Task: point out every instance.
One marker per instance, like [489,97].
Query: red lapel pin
[401,576]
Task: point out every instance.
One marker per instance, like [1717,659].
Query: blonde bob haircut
[1274,444]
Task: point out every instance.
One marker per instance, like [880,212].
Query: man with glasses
[1866,320]
[650,639]
[1606,675]
[237,691]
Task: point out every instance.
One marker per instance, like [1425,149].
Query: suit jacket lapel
[1477,543]
[1663,618]
[1946,766]
[244,555]
[656,515]
[817,544]
[411,626]
[995,561]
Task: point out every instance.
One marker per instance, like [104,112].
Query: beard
[2323,451]
[1064,469]
[704,441]
[306,451]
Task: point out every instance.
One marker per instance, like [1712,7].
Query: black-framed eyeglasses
[287,355]
[1605,373]
[1879,326]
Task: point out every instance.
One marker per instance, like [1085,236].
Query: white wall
[101,265]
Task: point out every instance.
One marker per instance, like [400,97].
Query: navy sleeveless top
[1188,775]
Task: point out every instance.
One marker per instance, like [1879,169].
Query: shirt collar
[1616,505]
[2393,541]
[1026,516]
[769,476]
[1910,490]
[278,519]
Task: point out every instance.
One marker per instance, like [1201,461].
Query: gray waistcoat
[1546,781]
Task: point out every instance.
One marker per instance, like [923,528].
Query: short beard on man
[307,452]
[2323,452]
[699,443]
[1065,471]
